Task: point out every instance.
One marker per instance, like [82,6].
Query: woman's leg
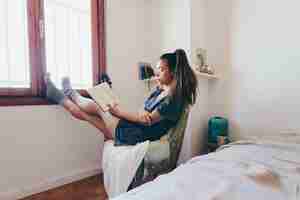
[55,95]
[96,121]
[84,103]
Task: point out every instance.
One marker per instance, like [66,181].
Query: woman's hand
[114,110]
[145,118]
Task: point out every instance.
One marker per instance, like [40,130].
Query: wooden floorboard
[88,189]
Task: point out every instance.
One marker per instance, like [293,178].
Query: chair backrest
[162,155]
[175,137]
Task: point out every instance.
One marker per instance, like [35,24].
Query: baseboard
[50,184]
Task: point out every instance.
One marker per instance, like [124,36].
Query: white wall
[199,115]
[256,44]
[127,43]
[171,19]
[43,146]
[175,25]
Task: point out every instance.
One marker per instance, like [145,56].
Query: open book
[103,96]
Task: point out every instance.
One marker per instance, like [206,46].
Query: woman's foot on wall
[75,96]
[53,94]
[68,90]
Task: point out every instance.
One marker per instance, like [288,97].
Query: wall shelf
[205,75]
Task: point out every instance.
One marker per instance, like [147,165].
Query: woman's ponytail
[186,87]
[186,81]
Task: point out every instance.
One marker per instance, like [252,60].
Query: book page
[103,96]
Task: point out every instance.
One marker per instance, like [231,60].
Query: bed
[244,170]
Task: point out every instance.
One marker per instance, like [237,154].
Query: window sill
[29,100]
[23,101]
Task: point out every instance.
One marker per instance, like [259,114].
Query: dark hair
[186,80]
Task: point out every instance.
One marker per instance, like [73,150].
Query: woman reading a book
[177,89]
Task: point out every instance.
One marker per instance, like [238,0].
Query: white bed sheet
[244,171]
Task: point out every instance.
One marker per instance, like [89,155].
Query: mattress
[243,170]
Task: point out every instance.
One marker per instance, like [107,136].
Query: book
[103,95]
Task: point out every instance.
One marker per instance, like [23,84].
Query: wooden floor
[88,189]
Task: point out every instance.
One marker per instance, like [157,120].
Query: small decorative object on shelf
[201,64]
[200,57]
[207,69]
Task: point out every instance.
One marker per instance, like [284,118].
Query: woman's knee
[73,109]
[89,107]
[77,113]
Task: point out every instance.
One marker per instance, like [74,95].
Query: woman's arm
[144,118]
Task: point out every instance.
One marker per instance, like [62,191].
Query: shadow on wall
[258,64]
[219,45]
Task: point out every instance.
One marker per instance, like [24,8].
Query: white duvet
[244,171]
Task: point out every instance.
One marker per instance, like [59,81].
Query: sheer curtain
[14,50]
[68,41]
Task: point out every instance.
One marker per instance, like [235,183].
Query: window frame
[37,55]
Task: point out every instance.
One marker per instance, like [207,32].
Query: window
[68,43]
[14,72]
[63,37]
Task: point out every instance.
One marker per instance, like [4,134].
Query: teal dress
[131,133]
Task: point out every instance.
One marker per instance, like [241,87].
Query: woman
[162,109]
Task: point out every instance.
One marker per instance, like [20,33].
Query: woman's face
[165,76]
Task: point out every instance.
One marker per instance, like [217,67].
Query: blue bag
[217,126]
